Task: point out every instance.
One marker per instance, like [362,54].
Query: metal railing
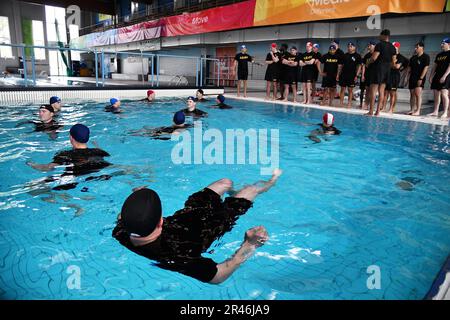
[206,71]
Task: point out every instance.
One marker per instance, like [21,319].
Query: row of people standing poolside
[378,72]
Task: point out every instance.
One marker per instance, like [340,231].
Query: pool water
[377,195]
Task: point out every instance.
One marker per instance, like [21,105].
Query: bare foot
[433,114]
[410,113]
[349,106]
[391,111]
[369,114]
[284,100]
[417,113]
[444,117]
[377,113]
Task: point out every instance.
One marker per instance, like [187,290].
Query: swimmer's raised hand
[256,236]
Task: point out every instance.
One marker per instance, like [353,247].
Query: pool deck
[402,107]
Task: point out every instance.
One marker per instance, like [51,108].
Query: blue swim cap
[372,42]
[113,100]
[191,98]
[316,45]
[179,117]
[55,99]
[221,98]
[332,47]
[80,133]
[351,44]
[335,41]
[446,40]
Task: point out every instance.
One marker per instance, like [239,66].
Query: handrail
[199,75]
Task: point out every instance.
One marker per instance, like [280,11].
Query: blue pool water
[376,195]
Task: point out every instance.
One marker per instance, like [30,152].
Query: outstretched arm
[42,167]
[254,238]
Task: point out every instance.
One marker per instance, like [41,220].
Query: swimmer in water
[221,103]
[150,96]
[80,159]
[192,110]
[177,242]
[164,133]
[114,106]
[200,96]
[55,102]
[46,123]
[326,128]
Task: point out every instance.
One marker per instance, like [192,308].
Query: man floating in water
[79,160]
[164,133]
[192,110]
[177,242]
[221,103]
[114,106]
[326,128]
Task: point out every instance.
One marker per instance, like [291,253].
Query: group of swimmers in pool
[175,242]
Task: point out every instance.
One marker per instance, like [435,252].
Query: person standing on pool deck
[364,84]
[273,71]
[241,61]
[401,63]
[316,48]
[114,106]
[332,65]
[282,70]
[383,58]
[440,79]
[55,102]
[177,242]
[308,64]
[290,62]
[192,110]
[80,159]
[351,67]
[418,68]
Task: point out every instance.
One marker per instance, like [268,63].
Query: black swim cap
[48,107]
[141,212]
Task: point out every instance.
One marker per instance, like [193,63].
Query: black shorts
[413,83]
[242,74]
[347,81]
[272,73]
[393,82]
[380,74]
[316,74]
[290,77]
[329,82]
[437,85]
[307,74]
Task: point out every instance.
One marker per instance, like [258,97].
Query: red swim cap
[328,119]
[396,44]
[274,45]
[149,92]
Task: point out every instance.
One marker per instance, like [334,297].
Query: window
[5,37]
[38,39]
[134,7]
[74,33]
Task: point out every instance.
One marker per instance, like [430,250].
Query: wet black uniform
[82,161]
[442,62]
[382,66]
[368,70]
[112,109]
[273,69]
[195,113]
[289,73]
[223,106]
[394,77]
[155,133]
[242,70]
[331,64]
[417,64]
[51,126]
[188,233]
[201,100]
[350,63]
[308,71]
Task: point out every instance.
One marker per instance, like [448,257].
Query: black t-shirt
[46,127]
[290,57]
[386,50]
[442,61]
[110,108]
[340,53]
[331,63]
[275,65]
[403,61]
[82,161]
[308,56]
[350,62]
[243,59]
[329,130]
[224,106]
[195,113]
[365,59]
[418,64]
[200,100]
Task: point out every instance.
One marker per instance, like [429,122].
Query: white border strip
[67,96]
[396,116]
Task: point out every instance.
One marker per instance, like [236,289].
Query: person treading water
[200,96]
[55,102]
[46,123]
[164,133]
[326,128]
[80,159]
[177,242]
[150,96]
[114,106]
[192,110]
[221,103]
